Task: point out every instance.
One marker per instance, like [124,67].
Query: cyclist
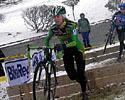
[119,24]
[73,50]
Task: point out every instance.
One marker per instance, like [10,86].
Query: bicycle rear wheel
[38,80]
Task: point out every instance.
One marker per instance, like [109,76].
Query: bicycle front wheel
[51,81]
[38,81]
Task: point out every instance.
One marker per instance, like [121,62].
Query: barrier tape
[3,78]
[12,57]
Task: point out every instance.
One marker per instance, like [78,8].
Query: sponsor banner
[36,57]
[17,71]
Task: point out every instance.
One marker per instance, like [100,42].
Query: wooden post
[91,80]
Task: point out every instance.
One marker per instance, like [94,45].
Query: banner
[36,57]
[17,71]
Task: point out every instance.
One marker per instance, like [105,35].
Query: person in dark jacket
[1,61]
[119,25]
[84,29]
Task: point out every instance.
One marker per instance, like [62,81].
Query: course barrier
[4,78]
[102,71]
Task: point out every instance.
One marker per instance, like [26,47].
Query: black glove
[89,31]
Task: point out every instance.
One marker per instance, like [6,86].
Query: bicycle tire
[38,84]
[50,82]
[49,93]
[55,78]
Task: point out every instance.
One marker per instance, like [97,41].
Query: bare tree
[38,18]
[46,16]
[13,1]
[72,4]
[112,5]
[2,18]
[4,3]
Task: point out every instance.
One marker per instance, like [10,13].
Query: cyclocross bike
[46,65]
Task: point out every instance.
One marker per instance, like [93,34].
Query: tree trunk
[73,12]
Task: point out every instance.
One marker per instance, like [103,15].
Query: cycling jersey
[67,35]
[119,21]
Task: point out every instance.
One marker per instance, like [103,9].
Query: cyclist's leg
[68,60]
[121,47]
[81,73]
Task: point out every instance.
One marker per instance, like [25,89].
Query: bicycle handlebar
[56,47]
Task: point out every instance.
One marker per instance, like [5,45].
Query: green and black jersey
[67,35]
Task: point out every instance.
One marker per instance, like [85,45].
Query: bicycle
[47,64]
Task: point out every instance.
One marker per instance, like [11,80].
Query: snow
[3,91]
[94,10]
[13,29]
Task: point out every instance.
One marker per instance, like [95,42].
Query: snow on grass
[94,10]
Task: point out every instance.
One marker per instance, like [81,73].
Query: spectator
[84,29]
[118,20]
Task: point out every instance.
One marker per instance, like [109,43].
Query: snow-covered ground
[13,28]
[3,92]
[14,24]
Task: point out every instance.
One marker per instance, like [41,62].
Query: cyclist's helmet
[121,6]
[58,10]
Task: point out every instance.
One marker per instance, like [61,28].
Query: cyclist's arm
[76,42]
[47,39]
[113,23]
[74,38]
